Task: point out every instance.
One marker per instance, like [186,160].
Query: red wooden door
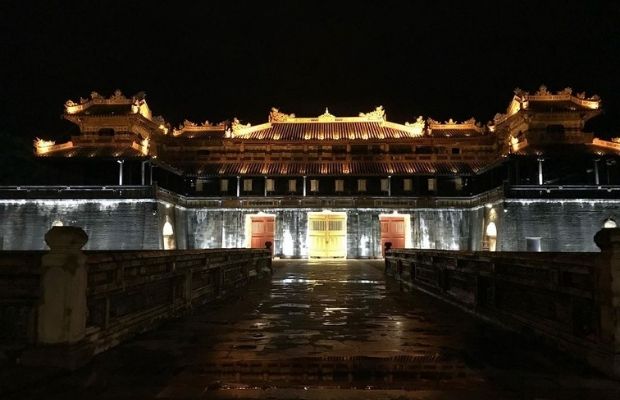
[392,230]
[263,228]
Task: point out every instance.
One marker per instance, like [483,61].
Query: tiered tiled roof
[120,146]
[122,127]
[341,168]
[543,101]
[287,127]
[329,131]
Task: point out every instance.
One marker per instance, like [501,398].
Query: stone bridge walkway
[326,330]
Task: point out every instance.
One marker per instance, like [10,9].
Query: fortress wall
[110,224]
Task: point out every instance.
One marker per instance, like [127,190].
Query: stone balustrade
[571,300]
[295,202]
[61,307]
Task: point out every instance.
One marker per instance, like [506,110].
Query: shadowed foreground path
[327,330]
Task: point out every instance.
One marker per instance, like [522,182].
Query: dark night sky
[224,59]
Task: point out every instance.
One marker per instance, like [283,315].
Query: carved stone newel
[609,293]
[62,311]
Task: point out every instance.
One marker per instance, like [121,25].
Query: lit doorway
[327,234]
[260,229]
[394,229]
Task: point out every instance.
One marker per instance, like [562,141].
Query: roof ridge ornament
[276,116]
[326,116]
[417,127]
[118,95]
[378,114]
[469,124]
[542,91]
[188,123]
[237,126]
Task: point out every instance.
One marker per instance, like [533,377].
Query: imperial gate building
[329,186]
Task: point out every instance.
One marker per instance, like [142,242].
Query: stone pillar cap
[607,237]
[66,238]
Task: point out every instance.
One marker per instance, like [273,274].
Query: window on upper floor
[432,184]
[314,185]
[224,185]
[270,185]
[359,149]
[557,129]
[385,185]
[292,185]
[407,184]
[361,185]
[424,150]
[400,149]
[106,132]
[458,184]
[247,185]
[339,185]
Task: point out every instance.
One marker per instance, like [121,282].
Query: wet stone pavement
[333,330]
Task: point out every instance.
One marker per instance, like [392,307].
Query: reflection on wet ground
[328,330]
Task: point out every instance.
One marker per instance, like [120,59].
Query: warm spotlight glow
[491,230]
[167,231]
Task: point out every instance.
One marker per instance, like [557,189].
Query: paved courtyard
[322,329]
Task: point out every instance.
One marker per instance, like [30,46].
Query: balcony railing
[564,191]
[76,192]
[330,202]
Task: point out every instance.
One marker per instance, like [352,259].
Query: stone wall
[20,281]
[110,223]
[429,228]
[562,225]
[435,223]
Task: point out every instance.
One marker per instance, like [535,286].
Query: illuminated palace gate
[327,235]
[337,233]
[447,180]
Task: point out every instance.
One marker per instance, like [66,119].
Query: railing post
[120,171]
[61,323]
[540,170]
[187,287]
[386,248]
[608,291]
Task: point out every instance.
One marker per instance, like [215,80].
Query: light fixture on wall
[491,230]
[610,223]
[167,231]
